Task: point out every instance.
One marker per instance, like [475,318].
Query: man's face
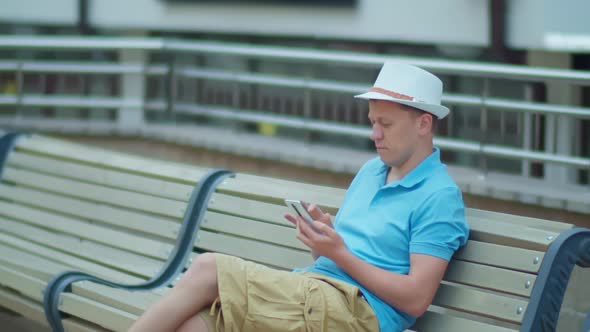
[396,131]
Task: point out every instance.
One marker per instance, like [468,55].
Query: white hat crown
[408,85]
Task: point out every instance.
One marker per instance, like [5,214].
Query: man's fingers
[290,218]
[323,228]
[315,211]
[304,240]
[327,219]
[308,230]
[301,235]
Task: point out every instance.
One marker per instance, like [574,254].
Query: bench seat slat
[121,198]
[272,192]
[34,311]
[248,208]
[279,235]
[104,255]
[264,253]
[98,313]
[433,321]
[101,176]
[132,302]
[500,255]
[111,159]
[85,230]
[510,234]
[137,221]
[480,302]
[69,260]
[30,264]
[503,280]
[552,226]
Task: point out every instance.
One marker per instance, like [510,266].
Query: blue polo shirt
[383,224]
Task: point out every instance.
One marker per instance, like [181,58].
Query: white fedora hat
[408,85]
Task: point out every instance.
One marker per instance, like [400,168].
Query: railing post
[559,129]
[483,126]
[130,117]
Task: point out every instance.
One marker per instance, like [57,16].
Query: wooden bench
[64,206]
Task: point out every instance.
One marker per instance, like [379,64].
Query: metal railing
[304,101]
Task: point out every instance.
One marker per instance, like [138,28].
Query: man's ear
[425,123]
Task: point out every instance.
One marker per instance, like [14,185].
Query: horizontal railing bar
[352,88]
[275,80]
[109,102]
[69,101]
[517,72]
[362,132]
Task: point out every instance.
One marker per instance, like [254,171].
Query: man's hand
[322,239]
[322,230]
[315,212]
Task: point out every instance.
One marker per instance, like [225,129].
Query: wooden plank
[548,225]
[26,285]
[62,149]
[432,321]
[249,208]
[101,176]
[98,313]
[136,221]
[506,281]
[121,198]
[267,191]
[68,260]
[309,187]
[94,252]
[481,303]
[76,305]
[252,229]
[32,265]
[132,302]
[34,311]
[264,253]
[501,256]
[86,230]
[509,234]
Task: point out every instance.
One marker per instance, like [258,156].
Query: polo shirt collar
[418,174]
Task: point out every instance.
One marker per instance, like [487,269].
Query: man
[376,268]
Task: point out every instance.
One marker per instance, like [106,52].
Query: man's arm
[410,293]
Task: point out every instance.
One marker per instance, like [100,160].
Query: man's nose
[376,133]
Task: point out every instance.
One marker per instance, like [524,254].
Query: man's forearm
[398,290]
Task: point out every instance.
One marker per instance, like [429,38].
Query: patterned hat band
[394,94]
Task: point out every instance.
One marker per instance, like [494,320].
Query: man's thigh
[253,297]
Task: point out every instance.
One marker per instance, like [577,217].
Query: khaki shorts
[253,297]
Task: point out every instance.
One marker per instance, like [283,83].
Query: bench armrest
[7,142]
[571,248]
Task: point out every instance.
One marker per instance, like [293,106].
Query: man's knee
[202,270]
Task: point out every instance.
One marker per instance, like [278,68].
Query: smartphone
[299,209]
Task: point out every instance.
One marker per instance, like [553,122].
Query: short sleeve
[438,226]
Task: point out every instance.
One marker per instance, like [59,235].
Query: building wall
[457,22]
[549,25]
[53,12]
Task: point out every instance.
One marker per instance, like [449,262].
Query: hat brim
[438,110]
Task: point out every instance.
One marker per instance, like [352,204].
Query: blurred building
[515,72]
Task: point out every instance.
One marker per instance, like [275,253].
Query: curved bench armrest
[571,248]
